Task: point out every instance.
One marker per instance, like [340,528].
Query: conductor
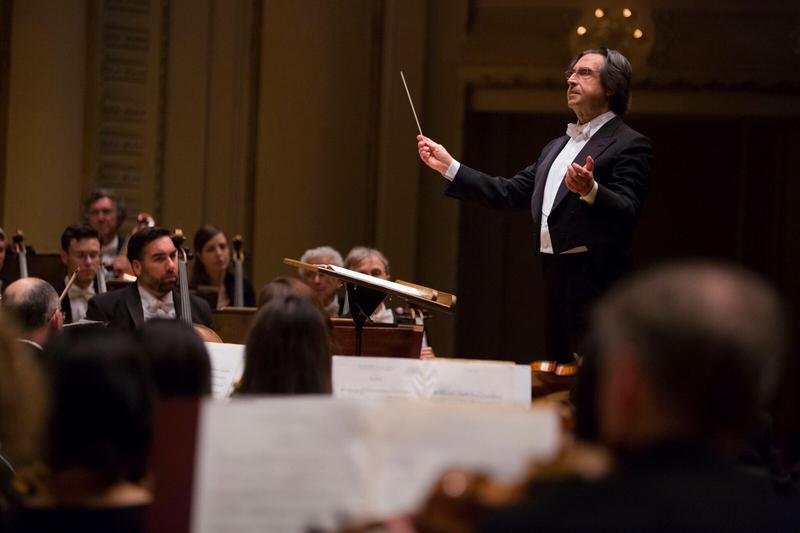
[585,192]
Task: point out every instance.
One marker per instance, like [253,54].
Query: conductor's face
[158,270]
[586,95]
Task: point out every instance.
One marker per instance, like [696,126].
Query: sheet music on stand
[416,294]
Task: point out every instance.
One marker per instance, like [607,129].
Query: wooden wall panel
[44,149]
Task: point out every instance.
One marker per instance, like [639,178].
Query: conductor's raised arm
[433,154]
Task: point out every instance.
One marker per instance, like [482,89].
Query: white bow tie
[159,308]
[578,133]
[76,293]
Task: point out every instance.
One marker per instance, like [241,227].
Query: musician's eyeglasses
[584,73]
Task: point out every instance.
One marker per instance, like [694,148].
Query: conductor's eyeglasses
[583,73]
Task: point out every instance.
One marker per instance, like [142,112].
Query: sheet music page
[440,379]
[227,365]
[523,394]
[278,465]
[287,464]
[413,443]
[385,283]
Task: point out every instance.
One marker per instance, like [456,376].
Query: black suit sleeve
[621,195]
[493,191]
[95,312]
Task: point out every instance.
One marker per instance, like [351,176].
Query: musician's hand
[121,266]
[427,353]
[433,154]
[580,179]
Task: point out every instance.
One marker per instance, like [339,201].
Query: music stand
[365,293]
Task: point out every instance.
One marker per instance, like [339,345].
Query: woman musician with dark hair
[213,276]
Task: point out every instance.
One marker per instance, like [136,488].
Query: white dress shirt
[109,251]
[579,136]
[79,300]
[153,307]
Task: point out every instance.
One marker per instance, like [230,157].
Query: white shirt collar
[153,307]
[591,127]
[32,343]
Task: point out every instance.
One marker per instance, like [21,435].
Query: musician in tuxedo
[326,288]
[105,212]
[585,192]
[80,251]
[32,304]
[373,262]
[154,260]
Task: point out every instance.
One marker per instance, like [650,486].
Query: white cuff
[452,170]
[589,198]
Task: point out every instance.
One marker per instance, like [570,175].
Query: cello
[206,333]
[238,259]
[22,256]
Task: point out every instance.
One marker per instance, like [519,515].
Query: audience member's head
[686,352]
[33,305]
[367,261]
[288,350]
[212,256]
[80,250]
[153,257]
[283,287]
[100,425]
[324,287]
[177,357]
[105,212]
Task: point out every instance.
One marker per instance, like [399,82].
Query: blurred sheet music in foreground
[289,464]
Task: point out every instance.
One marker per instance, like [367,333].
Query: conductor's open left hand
[580,179]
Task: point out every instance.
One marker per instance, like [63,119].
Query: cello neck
[178,238]
[22,256]
[238,259]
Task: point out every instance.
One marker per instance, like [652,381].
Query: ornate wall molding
[125,100]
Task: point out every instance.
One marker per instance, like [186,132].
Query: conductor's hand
[433,154]
[580,179]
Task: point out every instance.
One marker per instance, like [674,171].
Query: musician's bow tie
[77,293]
[578,132]
[157,307]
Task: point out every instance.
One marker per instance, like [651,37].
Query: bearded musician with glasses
[585,192]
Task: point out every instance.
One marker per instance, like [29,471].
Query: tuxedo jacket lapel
[134,303]
[541,178]
[176,298]
[596,146]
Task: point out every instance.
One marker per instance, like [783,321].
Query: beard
[165,286]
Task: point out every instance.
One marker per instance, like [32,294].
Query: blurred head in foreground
[288,350]
[178,358]
[100,425]
[687,351]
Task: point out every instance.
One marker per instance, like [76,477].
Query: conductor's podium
[378,340]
